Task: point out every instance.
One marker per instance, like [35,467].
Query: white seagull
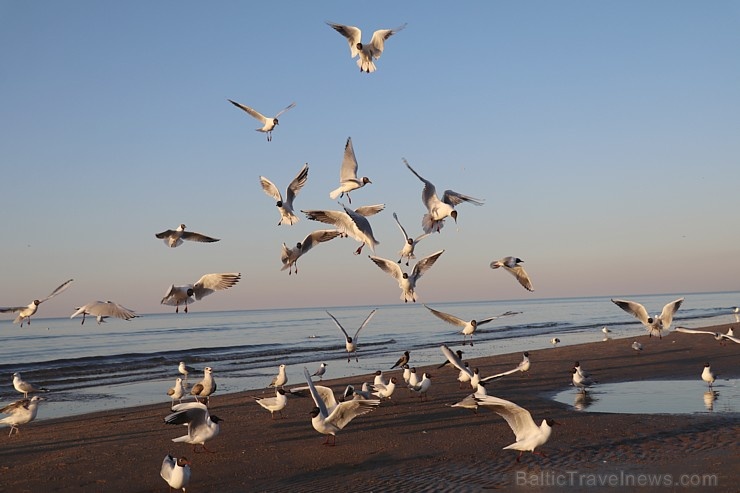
[274,404]
[528,435]
[385,391]
[268,124]
[352,223]
[350,343]
[717,335]
[189,293]
[511,265]
[438,209]
[20,412]
[201,425]
[173,238]
[708,376]
[280,379]
[409,245]
[185,370]
[582,382]
[554,341]
[366,52]
[652,324]
[637,346]
[468,327]
[348,180]
[26,312]
[24,387]
[473,375]
[289,256]
[206,386]
[177,392]
[176,472]
[329,422]
[421,388]
[285,206]
[102,310]
[407,282]
[320,372]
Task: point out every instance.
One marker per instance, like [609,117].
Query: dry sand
[410,445]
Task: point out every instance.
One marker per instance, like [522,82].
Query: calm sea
[120,364]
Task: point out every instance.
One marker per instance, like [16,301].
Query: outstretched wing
[214,282]
[379,37]
[297,183]
[450,319]
[270,188]
[58,290]
[353,35]
[454,198]
[388,266]
[633,308]
[291,105]
[425,264]
[364,323]
[348,171]
[254,113]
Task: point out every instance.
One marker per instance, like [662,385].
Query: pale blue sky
[602,135]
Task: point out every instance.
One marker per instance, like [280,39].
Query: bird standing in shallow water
[708,376]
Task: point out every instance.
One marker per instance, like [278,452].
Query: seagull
[280,379]
[285,206]
[528,435]
[406,373]
[24,387]
[582,382]
[173,238]
[385,391]
[403,360]
[653,324]
[378,379]
[185,369]
[348,180]
[350,343]
[20,412]
[422,387]
[469,401]
[474,375]
[351,223]
[289,256]
[409,243]
[274,404]
[708,376]
[469,327]
[525,364]
[554,341]
[606,331]
[413,379]
[407,282]
[717,335]
[205,387]
[320,372]
[511,265]
[177,391]
[637,346]
[201,425]
[364,393]
[583,373]
[209,283]
[366,52]
[26,312]
[176,472]
[329,422]
[104,309]
[437,209]
[465,375]
[268,124]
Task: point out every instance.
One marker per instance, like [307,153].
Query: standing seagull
[708,376]
[652,324]
[329,422]
[367,52]
[289,256]
[511,265]
[24,387]
[268,124]
[348,180]
[320,372]
[469,327]
[173,238]
[437,209]
[209,283]
[637,346]
[286,206]
[205,387]
[280,379]
[351,342]
[407,282]
[20,412]
[409,243]
[177,391]
[26,312]
[176,472]
[528,435]
[201,425]
[104,309]
[352,223]
[274,404]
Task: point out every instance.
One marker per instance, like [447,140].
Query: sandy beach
[411,445]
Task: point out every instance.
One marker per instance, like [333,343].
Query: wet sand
[411,445]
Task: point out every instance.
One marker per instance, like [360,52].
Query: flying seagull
[268,124]
[348,180]
[102,310]
[468,326]
[350,343]
[652,324]
[511,265]
[285,206]
[407,282]
[289,256]
[26,312]
[352,223]
[410,243]
[369,51]
[174,238]
[189,293]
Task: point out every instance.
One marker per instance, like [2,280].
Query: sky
[603,137]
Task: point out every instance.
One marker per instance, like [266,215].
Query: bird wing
[318,400]
[291,105]
[191,414]
[348,171]
[450,319]
[425,264]
[295,185]
[635,309]
[521,276]
[270,189]
[192,236]
[429,194]
[730,338]
[369,210]
[346,336]
[16,406]
[499,375]
[353,35]
[339,219]
[455,360]
[666,316]
[517,417]
[348,410]
[454,198]
[58,290]
[110,309]
[364,323]
[8,309]
[165,234]
[168,464]
[318,236]
[379,37]
[254,113]
[214,282]
[505,314]
[403,231]
[692,331]
[388,266]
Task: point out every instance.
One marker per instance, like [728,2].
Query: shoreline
[406,444]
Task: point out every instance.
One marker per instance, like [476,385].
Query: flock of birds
[330,415]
